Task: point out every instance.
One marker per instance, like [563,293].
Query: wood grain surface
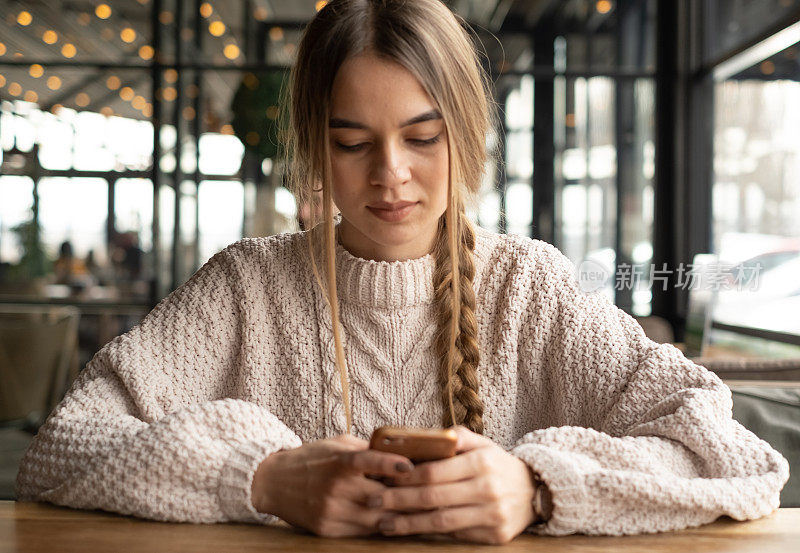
[34,527]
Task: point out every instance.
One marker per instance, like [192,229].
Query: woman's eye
[353,148]
[426,142]
[362,145]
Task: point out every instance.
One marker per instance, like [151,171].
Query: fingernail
[403,467]
[386,525]
[375,501]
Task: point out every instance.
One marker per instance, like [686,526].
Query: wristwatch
[542,501]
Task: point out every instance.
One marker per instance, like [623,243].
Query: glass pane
[519,105]
[133,209]
[221,215]
[756,195]
[637,156]
[586,174]
[519,208]
[16,201]
[74,210]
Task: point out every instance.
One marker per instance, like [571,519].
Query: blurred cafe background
[656,143]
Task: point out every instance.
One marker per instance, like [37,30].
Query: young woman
[249,392]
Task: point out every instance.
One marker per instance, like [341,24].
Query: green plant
[259,113]
[34,262]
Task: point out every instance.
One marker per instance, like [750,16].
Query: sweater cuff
[236,479]
[565,481]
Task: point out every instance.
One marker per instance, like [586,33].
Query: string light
[24,18]
[216,28]
[36,71]
[55,108]
[107,111]
[84,18]
[31,97]
[113,82]
[82,99]
[603,6]
[165,17]
[206,10]
[170,94]
[250,81]
[2,49]
[53,83]
[767,67]
[231,51]
[127,35]
[321,4]
[188,113]
[146,52]
[68,50]
[261,13]
[2,81]
[275,34]
[147,111]
[15,89]
[139,102]
[126,93]
[226,129]
[50,37]
[170,75]
[103,11]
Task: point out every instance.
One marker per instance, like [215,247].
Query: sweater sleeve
[642,439]
[149,428]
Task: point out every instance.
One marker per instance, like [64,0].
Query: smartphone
[418,444]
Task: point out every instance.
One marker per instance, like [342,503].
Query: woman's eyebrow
[338,123]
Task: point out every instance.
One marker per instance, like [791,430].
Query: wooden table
[32,527]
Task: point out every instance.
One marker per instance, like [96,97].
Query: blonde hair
[433,44]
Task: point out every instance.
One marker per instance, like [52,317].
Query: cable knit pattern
[170,420]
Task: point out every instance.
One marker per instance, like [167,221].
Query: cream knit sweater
[170,420]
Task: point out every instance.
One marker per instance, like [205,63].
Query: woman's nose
[390,166]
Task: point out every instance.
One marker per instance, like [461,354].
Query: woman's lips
[393,215]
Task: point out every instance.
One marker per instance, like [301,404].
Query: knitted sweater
[170,420]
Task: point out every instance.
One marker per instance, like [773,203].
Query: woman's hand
[483,494]
[323,486]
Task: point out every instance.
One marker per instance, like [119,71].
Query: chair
[38,361]
[742,368]
[657,329]
[772,412]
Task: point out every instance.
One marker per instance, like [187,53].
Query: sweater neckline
[392,284]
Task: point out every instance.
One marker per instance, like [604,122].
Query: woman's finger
[404,498]
[445,520]
[461,467]
[344,510]
[468,440]
[377,463]
[357,488]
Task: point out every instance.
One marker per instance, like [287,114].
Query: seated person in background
[248,393]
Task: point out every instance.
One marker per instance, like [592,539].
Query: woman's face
[389,160]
